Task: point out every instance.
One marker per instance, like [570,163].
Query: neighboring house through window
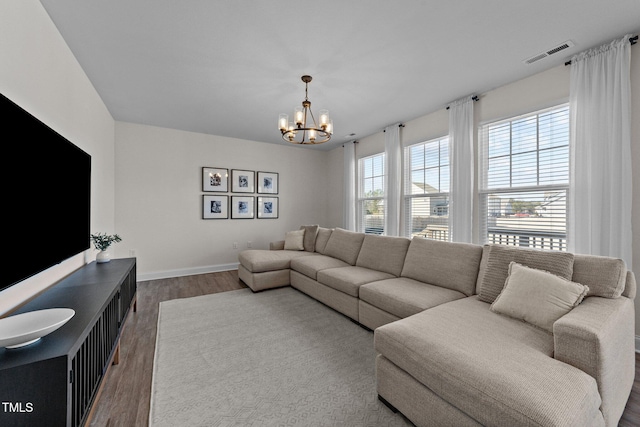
[370,213]
[426,188]
[524,179]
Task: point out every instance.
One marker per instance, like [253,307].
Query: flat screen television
[46,196]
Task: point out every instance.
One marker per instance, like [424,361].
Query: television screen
[47,195]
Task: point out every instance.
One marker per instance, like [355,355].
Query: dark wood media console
[54,381]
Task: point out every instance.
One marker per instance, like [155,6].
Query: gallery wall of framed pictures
[241,205]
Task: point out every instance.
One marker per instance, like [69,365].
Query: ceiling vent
[556,49]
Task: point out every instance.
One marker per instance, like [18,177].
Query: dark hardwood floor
[631,415]
[126,390]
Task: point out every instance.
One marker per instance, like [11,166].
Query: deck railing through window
[528,239]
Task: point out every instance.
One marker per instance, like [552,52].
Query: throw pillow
[310,233]
[537,297]
[294,240]
[499,257]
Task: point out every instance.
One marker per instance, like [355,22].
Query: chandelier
[304,129]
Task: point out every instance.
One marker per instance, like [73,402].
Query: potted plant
[102,241]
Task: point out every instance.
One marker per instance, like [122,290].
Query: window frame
[409,197]
[538,238]
[362,199]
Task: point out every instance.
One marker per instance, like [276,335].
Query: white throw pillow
[537,297]
[294,240]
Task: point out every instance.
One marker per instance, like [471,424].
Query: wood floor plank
[631,415]
[126,391]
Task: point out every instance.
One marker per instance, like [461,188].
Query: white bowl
[26,328]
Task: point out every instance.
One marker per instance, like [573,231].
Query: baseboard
[187,272]
[637,344]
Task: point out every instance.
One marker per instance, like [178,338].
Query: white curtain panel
[461,128]
[349,205]
[392,179]
[600,188]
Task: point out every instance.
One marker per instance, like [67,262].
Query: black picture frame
[215,179]
[242,181]
[215,206]
[268,182]
[243,207]
[267,207]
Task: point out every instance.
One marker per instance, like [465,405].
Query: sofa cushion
[403,297]
[310,234]
[537,297]
[259,260]
[277,245]
[383,253]
[499,258]
[344,245]
[322,238]
[349,279]
[496,369]
[315,263]
[605,277]
[450,265]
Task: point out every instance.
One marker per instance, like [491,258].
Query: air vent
[542,55]
[535,58]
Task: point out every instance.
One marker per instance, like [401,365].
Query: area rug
[274,358]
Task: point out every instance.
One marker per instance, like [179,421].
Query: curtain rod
[400,125]
[475,98]
[633,40]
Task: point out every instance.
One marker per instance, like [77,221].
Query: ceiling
[229,67]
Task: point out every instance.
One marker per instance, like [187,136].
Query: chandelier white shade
[304,129]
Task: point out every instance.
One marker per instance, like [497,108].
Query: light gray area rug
[274,358]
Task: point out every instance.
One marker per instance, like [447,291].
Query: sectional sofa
[470,335]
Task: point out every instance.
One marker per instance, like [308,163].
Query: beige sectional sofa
[458,347]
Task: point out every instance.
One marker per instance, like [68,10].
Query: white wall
[335,183]
[542,90]
[39,73]
[159,197]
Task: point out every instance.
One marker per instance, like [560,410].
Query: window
[524,179]
[427,189]
[371,195]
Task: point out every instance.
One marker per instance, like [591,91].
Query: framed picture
[215,207]
[268,182]
[242,181]
[215,179]
[267,207]
[242,207]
